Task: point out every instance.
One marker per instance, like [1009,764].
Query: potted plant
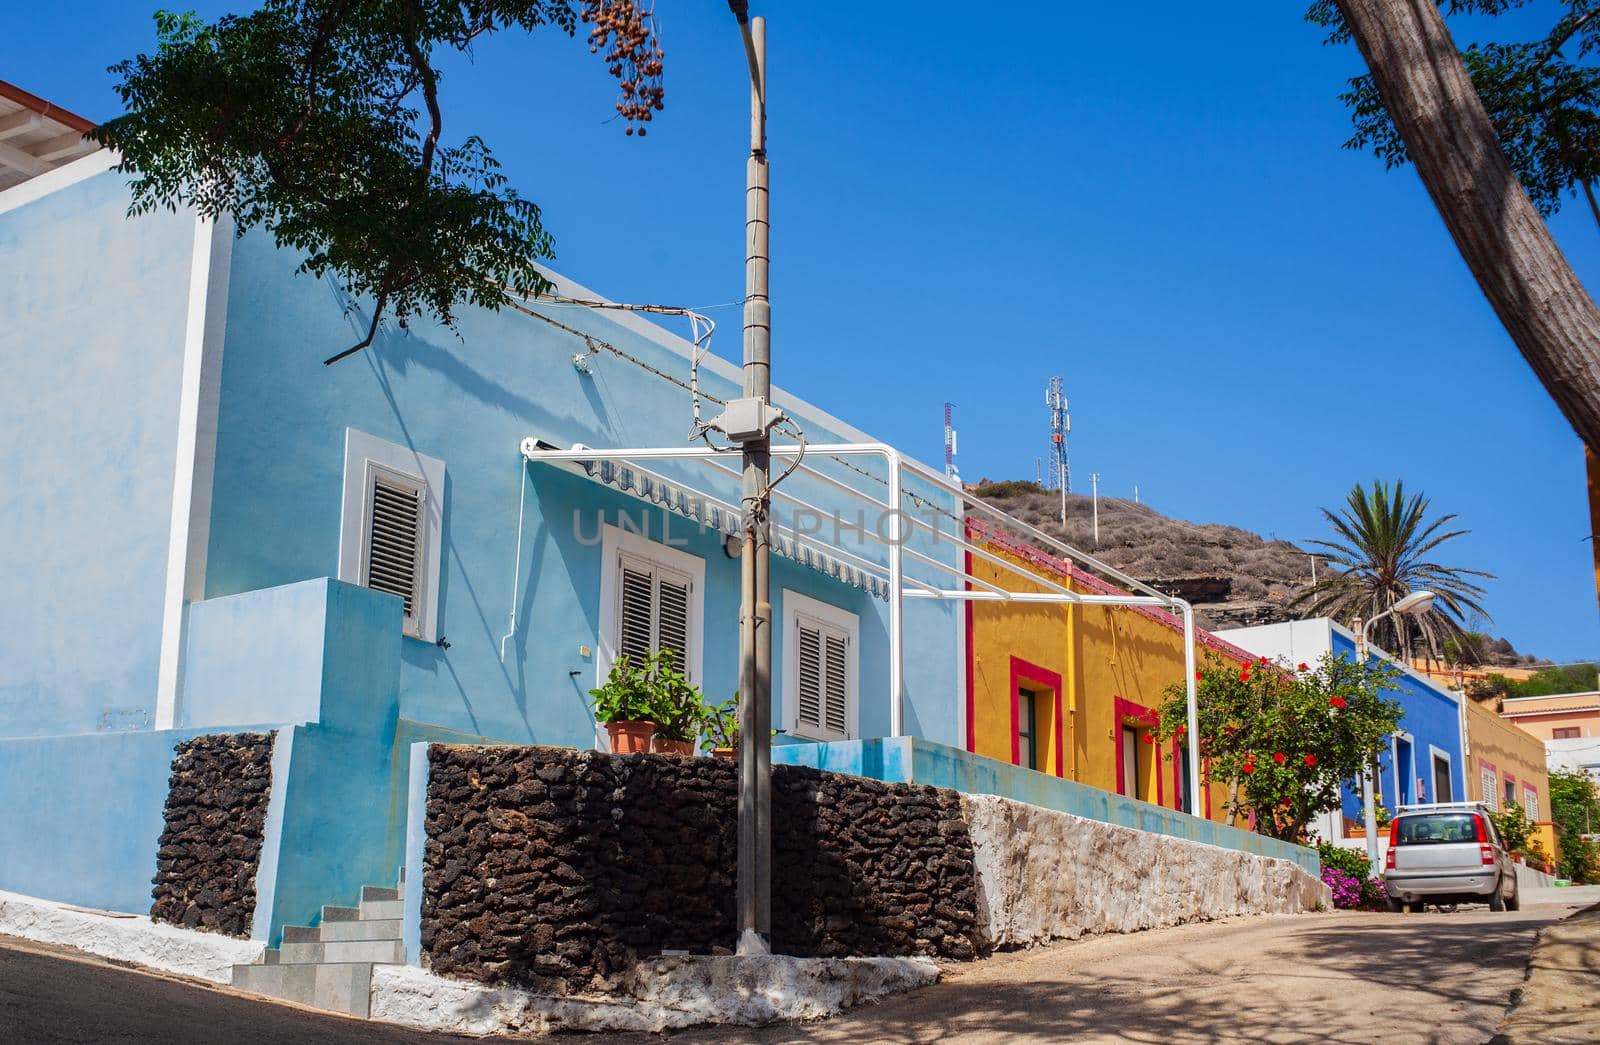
[719,729]
[626,704]
[679,707]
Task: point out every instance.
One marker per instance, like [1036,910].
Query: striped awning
[714,514]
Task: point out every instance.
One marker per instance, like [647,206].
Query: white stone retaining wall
[1044,875]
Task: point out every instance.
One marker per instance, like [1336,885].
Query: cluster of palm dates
[625,30]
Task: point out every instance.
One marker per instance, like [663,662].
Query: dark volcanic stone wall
[555,869]
[211,846]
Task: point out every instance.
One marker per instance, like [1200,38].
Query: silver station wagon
[1448,853]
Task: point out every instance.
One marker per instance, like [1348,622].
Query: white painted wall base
[668,994]
[127,938]
[1044,875]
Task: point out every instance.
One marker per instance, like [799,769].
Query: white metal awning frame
[892,572]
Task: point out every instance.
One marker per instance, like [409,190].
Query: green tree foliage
[1514,826]
[1568,678]
[1542,95]
[1285,739]
[1575,810]
[320,121]
[1382,551]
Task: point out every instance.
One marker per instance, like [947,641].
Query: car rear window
[1438,829]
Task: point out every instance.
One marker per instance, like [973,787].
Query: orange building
[1565,716]
[1071,690]
[1506,764]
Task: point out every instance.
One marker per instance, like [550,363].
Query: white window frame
[1530,802]
[795,606]
[615,542]
[365,458]
[1439,752]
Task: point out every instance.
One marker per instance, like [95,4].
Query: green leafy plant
[322,122]
[1285,738]
[1575,810]
[680,707]
[720,725]
[1514,826]
[627,695]
[1350,861]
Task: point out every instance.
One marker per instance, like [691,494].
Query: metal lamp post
[1418,602]
[754,900]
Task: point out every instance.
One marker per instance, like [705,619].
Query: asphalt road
[1335,977]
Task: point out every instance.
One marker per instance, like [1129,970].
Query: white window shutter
[394,543]
[672,618]
[635,610]
[836,711]
[809,683]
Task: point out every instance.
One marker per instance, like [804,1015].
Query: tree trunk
[1541,303]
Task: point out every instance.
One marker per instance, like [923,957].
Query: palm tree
[1380,555]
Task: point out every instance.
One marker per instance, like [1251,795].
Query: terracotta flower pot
[630,738]
[664,746]
[723,752]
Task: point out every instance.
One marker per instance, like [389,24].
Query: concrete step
[341,987]
[366,929]
[302,934]
[378,892]
[340,914]
[388,952]
[382,910]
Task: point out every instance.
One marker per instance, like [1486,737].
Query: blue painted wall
[914,760]
[92,353]
[1431,717]
[81,817]
[469,402]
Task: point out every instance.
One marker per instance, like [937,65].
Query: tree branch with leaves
[303,119]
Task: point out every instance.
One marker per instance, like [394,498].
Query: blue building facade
[199,509]
[1425,761]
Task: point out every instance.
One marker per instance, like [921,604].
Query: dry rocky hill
[1232,576]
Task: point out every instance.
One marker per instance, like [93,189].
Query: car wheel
[1514,901]
[1418,907]
[1395,906]
[1497,902]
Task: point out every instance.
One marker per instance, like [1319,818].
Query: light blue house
[209,529]
[1425,761]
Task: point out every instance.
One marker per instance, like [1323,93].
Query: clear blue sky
[1150,201]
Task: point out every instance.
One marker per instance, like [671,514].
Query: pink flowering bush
[1355,894]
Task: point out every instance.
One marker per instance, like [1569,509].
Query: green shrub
[1350,861]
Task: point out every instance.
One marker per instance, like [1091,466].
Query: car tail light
[1483,833]
[1488,854]
[1388,859]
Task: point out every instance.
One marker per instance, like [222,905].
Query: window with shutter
[818,684]
[390,526]
[394,542]
[654,610]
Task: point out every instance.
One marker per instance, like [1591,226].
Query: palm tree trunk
[1447,133]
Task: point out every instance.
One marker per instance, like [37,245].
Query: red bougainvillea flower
[1303,667]
[1262,660]
[1244,673]
[1311,760]
[1248,768]
[1336,702]
[1148,739]
[1279,757]
[1198,676]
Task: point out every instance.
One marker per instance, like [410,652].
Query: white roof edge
[1559,696]
[58,178]
[1406,668]
[638,324]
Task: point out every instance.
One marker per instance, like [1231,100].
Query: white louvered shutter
[653,611]
[672,618]
[836,710]
[808,684]
[394,544]
[822,680]
[635,610]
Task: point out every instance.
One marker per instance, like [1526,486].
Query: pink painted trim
[1024,671]
[1062,568]
[1125,709]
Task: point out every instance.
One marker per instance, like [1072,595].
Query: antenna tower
[950,444]
[1059,476]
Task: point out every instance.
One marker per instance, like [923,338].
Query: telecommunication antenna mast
[950,444]
[1060,475]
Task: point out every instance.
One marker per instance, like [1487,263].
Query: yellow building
[1072,690]
[1507,764]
